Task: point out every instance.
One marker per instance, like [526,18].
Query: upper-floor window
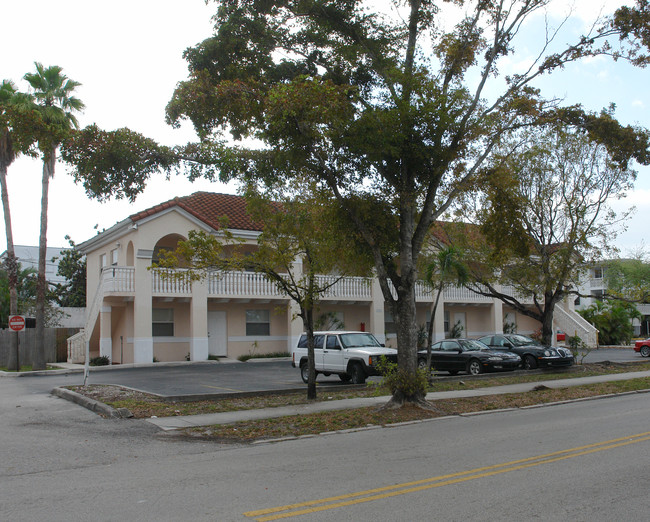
[598,273]
[102,262]
[114,257]
[162,322]
[258,322]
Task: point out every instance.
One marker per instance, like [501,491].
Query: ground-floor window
[162,322]
[389,323]
[258,322]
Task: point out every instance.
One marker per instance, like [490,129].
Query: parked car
[643,347]
[467,355]
[352,356]
[533,354]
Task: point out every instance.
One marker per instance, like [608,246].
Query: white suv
[353,356]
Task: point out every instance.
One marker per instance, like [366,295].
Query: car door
[438,357]
[318,351]
[333,354]
[454,355]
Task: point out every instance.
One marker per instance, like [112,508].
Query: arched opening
[167,243]
[130,256]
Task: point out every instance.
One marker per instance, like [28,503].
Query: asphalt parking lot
[223,379]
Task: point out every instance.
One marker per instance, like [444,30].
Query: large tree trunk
[38,358]
[308,324]
[11,265]
[550,300]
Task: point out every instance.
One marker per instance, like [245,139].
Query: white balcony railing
[118,279]
[241,284]
[171,282]
[121,280]
[346,287]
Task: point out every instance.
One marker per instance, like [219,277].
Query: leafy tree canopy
[629,279]
[544,212]
[72,266]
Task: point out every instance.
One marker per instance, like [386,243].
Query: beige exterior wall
[525,325]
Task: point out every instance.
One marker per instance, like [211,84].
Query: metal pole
[87,362]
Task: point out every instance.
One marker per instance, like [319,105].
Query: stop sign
[17,323]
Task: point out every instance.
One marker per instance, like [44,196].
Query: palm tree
[14,109]
[446,269]
[53,93]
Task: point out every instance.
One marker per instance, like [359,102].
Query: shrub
[401,384]
[578,347]
[102,360]
[273,355]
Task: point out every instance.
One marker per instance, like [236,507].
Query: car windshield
[358,339]
[521,340]
[469,345]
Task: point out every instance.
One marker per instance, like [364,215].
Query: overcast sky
[128,56]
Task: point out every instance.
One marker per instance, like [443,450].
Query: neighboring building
[27,256]
[594,285]
[135,316]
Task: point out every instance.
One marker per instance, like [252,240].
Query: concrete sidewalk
[188,421]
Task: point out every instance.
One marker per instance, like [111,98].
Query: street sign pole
[17,324]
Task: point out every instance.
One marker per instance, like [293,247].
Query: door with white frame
[217,333]
[459,319]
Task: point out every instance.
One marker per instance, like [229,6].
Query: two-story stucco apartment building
[136,316]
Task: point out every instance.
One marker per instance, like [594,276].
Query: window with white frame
[162,322]
[114,257]
[447,321]
[258,322]
[598,273]
[102,262]
[389,323]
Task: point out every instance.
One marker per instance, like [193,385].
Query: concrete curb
[91,404]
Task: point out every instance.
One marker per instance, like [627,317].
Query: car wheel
[474,367]
[645,351]
[530,363]
[304,372]
[422,363]
[357,375]
[344,377]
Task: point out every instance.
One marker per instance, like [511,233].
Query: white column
[439,320]
[199,321]
[295,326]
[105,333]
[142,337]
[496,315]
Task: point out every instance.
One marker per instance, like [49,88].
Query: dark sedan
[533,354]
[467,355]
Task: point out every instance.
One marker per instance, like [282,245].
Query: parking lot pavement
[185,378]
[213,378]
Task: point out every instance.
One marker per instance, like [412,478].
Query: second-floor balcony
[121,281]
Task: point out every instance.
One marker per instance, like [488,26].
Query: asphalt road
[582,461]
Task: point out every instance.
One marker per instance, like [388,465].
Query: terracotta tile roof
[208,207]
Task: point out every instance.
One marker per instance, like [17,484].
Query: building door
[460,324]
[217,333]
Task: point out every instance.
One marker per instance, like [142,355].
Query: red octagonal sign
[17,323]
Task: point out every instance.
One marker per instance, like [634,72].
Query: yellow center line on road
[314,506]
